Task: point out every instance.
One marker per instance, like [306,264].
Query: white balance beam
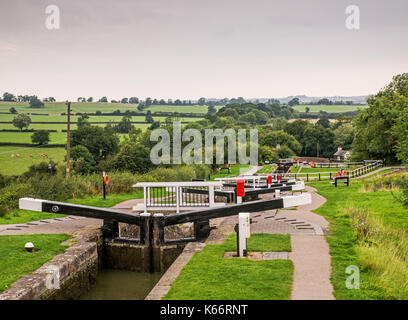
[30,204]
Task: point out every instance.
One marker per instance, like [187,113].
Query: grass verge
[364,228]
[209,276]
[15,262]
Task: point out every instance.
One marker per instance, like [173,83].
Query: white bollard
[277,193]
[239,200]
[244,232]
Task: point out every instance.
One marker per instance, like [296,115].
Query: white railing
[171,196]
[369,166]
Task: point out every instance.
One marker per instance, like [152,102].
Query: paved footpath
[310,251]
[310,254]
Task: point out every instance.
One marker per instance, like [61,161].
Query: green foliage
[274,138]
[381,129]
[35,102]
[344,135]
[13,110]
[149,117]
[21,121]
[125,124]
[314,139]
[100,142]
[40,137]
[133,157]
[83,160]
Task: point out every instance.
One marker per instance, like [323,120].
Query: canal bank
[91,268]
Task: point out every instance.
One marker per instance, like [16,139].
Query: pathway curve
[310,251]
[310,254]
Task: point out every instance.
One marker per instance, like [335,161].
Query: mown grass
[324,170]
[209,276]
[25,137]
[15,262]
[23,216]
[236,170]
[343,209]
[266,169]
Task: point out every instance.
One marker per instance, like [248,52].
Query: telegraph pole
[68,135]
[317,148]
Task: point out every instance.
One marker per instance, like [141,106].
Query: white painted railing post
[145,199]
[244,232]
[211,198]
[177,200]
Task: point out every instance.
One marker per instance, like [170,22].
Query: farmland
[18,165]
[56,108]
[51,117]
[329,109]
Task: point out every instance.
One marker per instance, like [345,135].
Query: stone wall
[78,267]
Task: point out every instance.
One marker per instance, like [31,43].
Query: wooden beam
[78,210]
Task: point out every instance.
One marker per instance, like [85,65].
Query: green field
[236,170]
[56,108]
[18,165]
[327,170]
[59,118]
[329,109]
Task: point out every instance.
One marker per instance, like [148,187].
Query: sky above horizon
[189,49]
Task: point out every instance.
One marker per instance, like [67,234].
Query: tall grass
[383,251]
[394,182]
[58,187]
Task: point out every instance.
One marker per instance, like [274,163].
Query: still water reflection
[122,285]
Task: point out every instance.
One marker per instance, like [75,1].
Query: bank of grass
[379,173]
[236,170]
[267,168]
[210,276]
[15,262]
[368,230]
[23,216]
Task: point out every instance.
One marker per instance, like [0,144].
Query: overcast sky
[189,48]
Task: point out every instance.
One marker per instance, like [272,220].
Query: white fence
[369,166]
[170,196]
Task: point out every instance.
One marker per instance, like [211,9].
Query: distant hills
[305,99]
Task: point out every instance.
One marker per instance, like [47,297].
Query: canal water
[122,285]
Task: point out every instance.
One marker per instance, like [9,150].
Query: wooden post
[307,176]
[319,176]
[145,228]
[158,229]
[68,135]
